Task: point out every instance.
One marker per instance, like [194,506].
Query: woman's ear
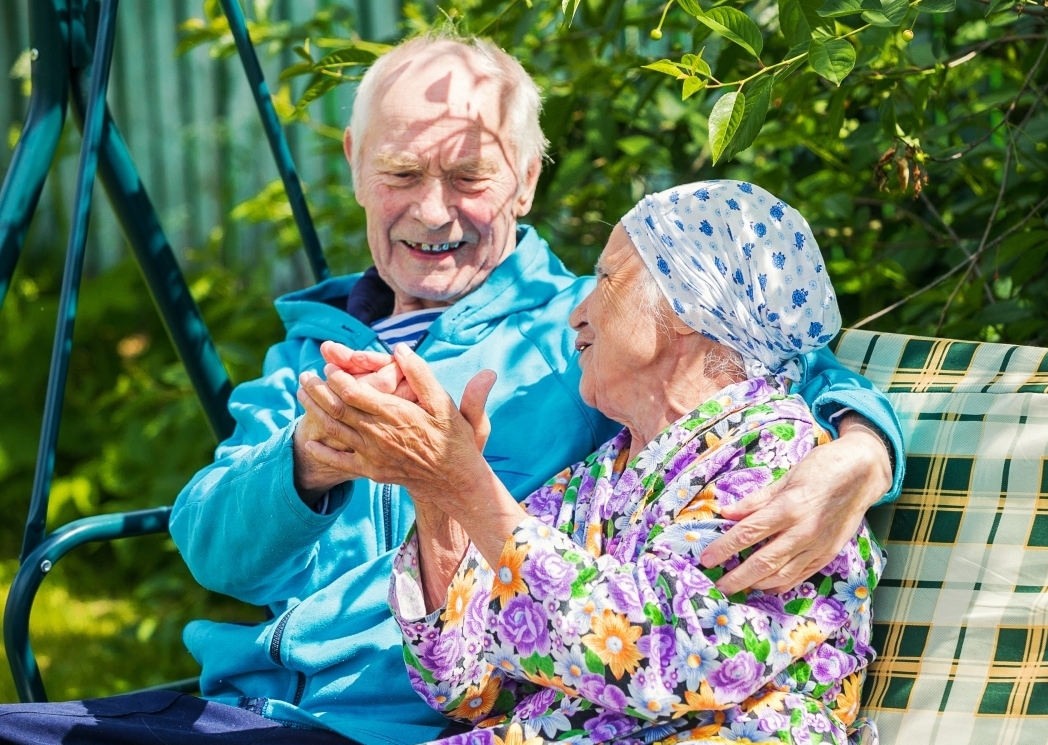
[678,327]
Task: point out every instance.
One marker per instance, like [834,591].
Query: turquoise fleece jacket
[331,656]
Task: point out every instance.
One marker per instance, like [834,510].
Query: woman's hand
[809,514]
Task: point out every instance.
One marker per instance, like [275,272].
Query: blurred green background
[924,176]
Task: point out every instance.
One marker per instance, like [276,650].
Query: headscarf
[741,267]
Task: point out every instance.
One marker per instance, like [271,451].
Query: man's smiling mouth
[434,248]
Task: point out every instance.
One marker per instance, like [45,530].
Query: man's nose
[433,209]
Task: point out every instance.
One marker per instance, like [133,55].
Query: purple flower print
[733,486]
[523,622]
[829,614]
[548,575]
[624,595]
[773,721]
[769,603]
[536,705]
[442,654]
[545,501]
[840,565]
[736,677]
[659,645]
[593,688]
[608,726]
[828,665]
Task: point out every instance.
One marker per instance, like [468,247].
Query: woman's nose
[577,319]
[432,208]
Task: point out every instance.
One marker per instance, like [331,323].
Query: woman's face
[620,343]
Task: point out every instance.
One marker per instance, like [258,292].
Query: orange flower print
[805,638]
[699,702]
[614,641]
[848,699]
[507,581]
[459,595]
[515,736]
[478,700]
[767,698]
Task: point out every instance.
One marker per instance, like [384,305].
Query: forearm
[873,450]
[242,529]
[442,545]
[487,512]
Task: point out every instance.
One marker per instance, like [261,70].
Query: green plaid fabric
[961,616]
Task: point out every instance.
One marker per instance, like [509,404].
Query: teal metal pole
[24,670]
[277,141]
[178,310]
[95,117]
[49,40]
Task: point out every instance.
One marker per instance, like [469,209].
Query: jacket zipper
[274,653]
[278,636]
[387,516]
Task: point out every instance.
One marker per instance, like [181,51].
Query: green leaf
[530,665]
[996,5]
[299,68]
[724,121]
[793,23]
[545,665]
[833,59]
[816,22]
[937,6]
[836,8]
[667,67]
[749,638]
[578,587]
[593,662]
[799,606]
[654,614]
[783,430]
[762,651]
[864,548]
[728,650]
[634,144]
[734,25]
[692,85]
[826,587]
[889,15]
[347,57]
[318,86]
[696,64]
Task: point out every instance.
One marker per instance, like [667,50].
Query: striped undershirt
[407,327]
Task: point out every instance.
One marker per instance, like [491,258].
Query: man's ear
[526,196]
[347,145]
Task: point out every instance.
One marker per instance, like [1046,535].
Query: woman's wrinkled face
[620,343]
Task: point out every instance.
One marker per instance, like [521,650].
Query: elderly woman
[588,616]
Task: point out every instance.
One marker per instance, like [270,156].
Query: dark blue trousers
[154,718]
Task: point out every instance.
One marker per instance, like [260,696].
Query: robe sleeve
[656,638]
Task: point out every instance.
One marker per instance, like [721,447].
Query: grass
[101,642]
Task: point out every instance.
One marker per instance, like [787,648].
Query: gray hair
[650,300]
[522,104]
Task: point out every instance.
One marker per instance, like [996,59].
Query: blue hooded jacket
[331,656]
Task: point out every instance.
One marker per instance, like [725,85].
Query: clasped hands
[385,417]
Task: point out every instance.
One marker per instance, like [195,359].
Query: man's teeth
[434,248]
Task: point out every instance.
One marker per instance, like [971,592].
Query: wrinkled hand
[313,478]
[808,515]
[377,369]
[432,448]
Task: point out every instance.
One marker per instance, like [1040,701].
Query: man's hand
[808,515]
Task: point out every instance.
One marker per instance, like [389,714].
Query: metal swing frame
[72,43]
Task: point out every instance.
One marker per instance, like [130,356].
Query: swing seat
[961,614]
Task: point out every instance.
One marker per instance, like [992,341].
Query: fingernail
[403,349]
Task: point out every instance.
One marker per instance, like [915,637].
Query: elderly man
[445,150]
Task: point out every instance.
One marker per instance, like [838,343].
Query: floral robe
[600,623]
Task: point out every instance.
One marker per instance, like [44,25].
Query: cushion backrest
[961,615]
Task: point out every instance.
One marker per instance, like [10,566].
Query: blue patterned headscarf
[741,267]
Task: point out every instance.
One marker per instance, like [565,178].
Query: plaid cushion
[962,611]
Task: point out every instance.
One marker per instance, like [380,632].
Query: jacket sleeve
[829,388]
[239,523]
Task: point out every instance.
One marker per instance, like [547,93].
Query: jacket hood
[528,278]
